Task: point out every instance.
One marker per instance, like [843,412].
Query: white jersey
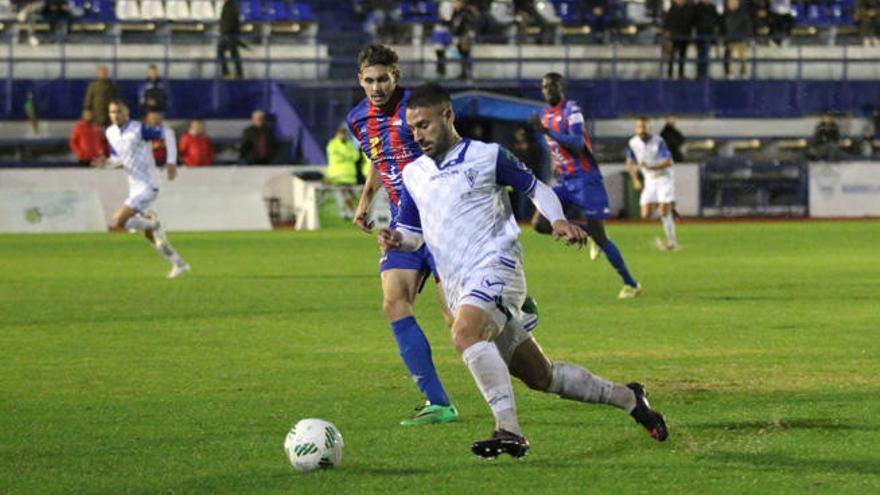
[170,145]
[651,151]
[130,146]
[461,209]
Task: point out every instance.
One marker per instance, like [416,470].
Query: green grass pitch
[759,341]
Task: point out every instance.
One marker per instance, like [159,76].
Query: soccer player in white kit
[454,200]
[130,148]
[649,153]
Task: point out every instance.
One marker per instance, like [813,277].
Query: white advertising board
[849,189]
[51,210]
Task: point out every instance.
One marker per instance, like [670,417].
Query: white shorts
[141,196]
[500,291]
[661,190]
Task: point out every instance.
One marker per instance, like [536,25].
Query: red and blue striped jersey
[386,140]
[567,139]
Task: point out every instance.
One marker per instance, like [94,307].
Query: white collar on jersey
[463,144]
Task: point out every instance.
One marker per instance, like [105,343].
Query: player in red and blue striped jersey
[579,179]
[378,123]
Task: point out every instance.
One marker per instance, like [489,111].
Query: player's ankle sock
[576,383]
[138,222]
[616,260]
[489,371]
[669,229]
[416,354]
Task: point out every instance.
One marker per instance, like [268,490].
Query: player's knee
[541,225]
[396,308]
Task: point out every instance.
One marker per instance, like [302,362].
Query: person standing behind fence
[230,28]
[868,15]
[706,23]
[738,29]
[677,26]
[153,93]
[87,140]
[99,94]
[342,162]
[258,144]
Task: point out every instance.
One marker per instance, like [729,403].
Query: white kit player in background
[649,153]
[454,200]
[130,148]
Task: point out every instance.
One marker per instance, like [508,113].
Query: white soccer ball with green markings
[313,444]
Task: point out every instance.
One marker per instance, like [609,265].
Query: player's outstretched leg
[573,382]
[596,230]
[159,239]
[399,288]
[666,218]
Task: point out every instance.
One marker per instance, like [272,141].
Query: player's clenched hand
[637,185]
[572,234]
[389,239]
[360,221]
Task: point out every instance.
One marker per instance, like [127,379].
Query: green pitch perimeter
[760,343]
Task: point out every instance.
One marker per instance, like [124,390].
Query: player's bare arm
[633,174]
[660,166]
[371,185]
[171,170]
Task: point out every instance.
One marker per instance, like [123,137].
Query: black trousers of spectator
[703,47]
[229,43]
[679,52]
[780,26]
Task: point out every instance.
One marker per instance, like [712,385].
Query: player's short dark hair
[377,55]
[428,95]
[643,118]
[554,76]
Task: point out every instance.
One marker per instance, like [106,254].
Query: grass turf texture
[758,341]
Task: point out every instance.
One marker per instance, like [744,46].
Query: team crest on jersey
[471,176]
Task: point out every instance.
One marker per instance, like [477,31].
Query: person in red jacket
[87,140]
[195,146]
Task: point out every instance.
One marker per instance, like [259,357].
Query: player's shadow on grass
[787,424]
[774,462]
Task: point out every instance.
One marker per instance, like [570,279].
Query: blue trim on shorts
[420,260]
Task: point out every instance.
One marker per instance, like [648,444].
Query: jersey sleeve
[573,138]
[630,154]
[408,213]
[510,171]
[663,153]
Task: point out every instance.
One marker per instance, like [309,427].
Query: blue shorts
[587,191]
[420,260]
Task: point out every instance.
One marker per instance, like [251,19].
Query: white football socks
[575,383]
[167,251]
[490,372]
[669,229]
[138,222]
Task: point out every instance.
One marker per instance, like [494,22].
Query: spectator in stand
[57,13]
[528,14]
[195,148]
[781,21]
[463,25]
[26,14]
[441,37]
[165,149]
[760,13]
[99,94]
[826,139]
[258,142]
[677,26]
[737,24]
[596,15]
[153,94]
[230,29]
[706,24]
[383,18]
[868,15]
[87,140]
[673,138]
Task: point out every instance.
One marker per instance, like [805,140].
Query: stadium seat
[6,10]
[152,9]
[178,10]
[203,10]
[302,12]
[127,10]
[418,11]
[568,11]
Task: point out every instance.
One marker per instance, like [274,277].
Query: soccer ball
[313,443]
